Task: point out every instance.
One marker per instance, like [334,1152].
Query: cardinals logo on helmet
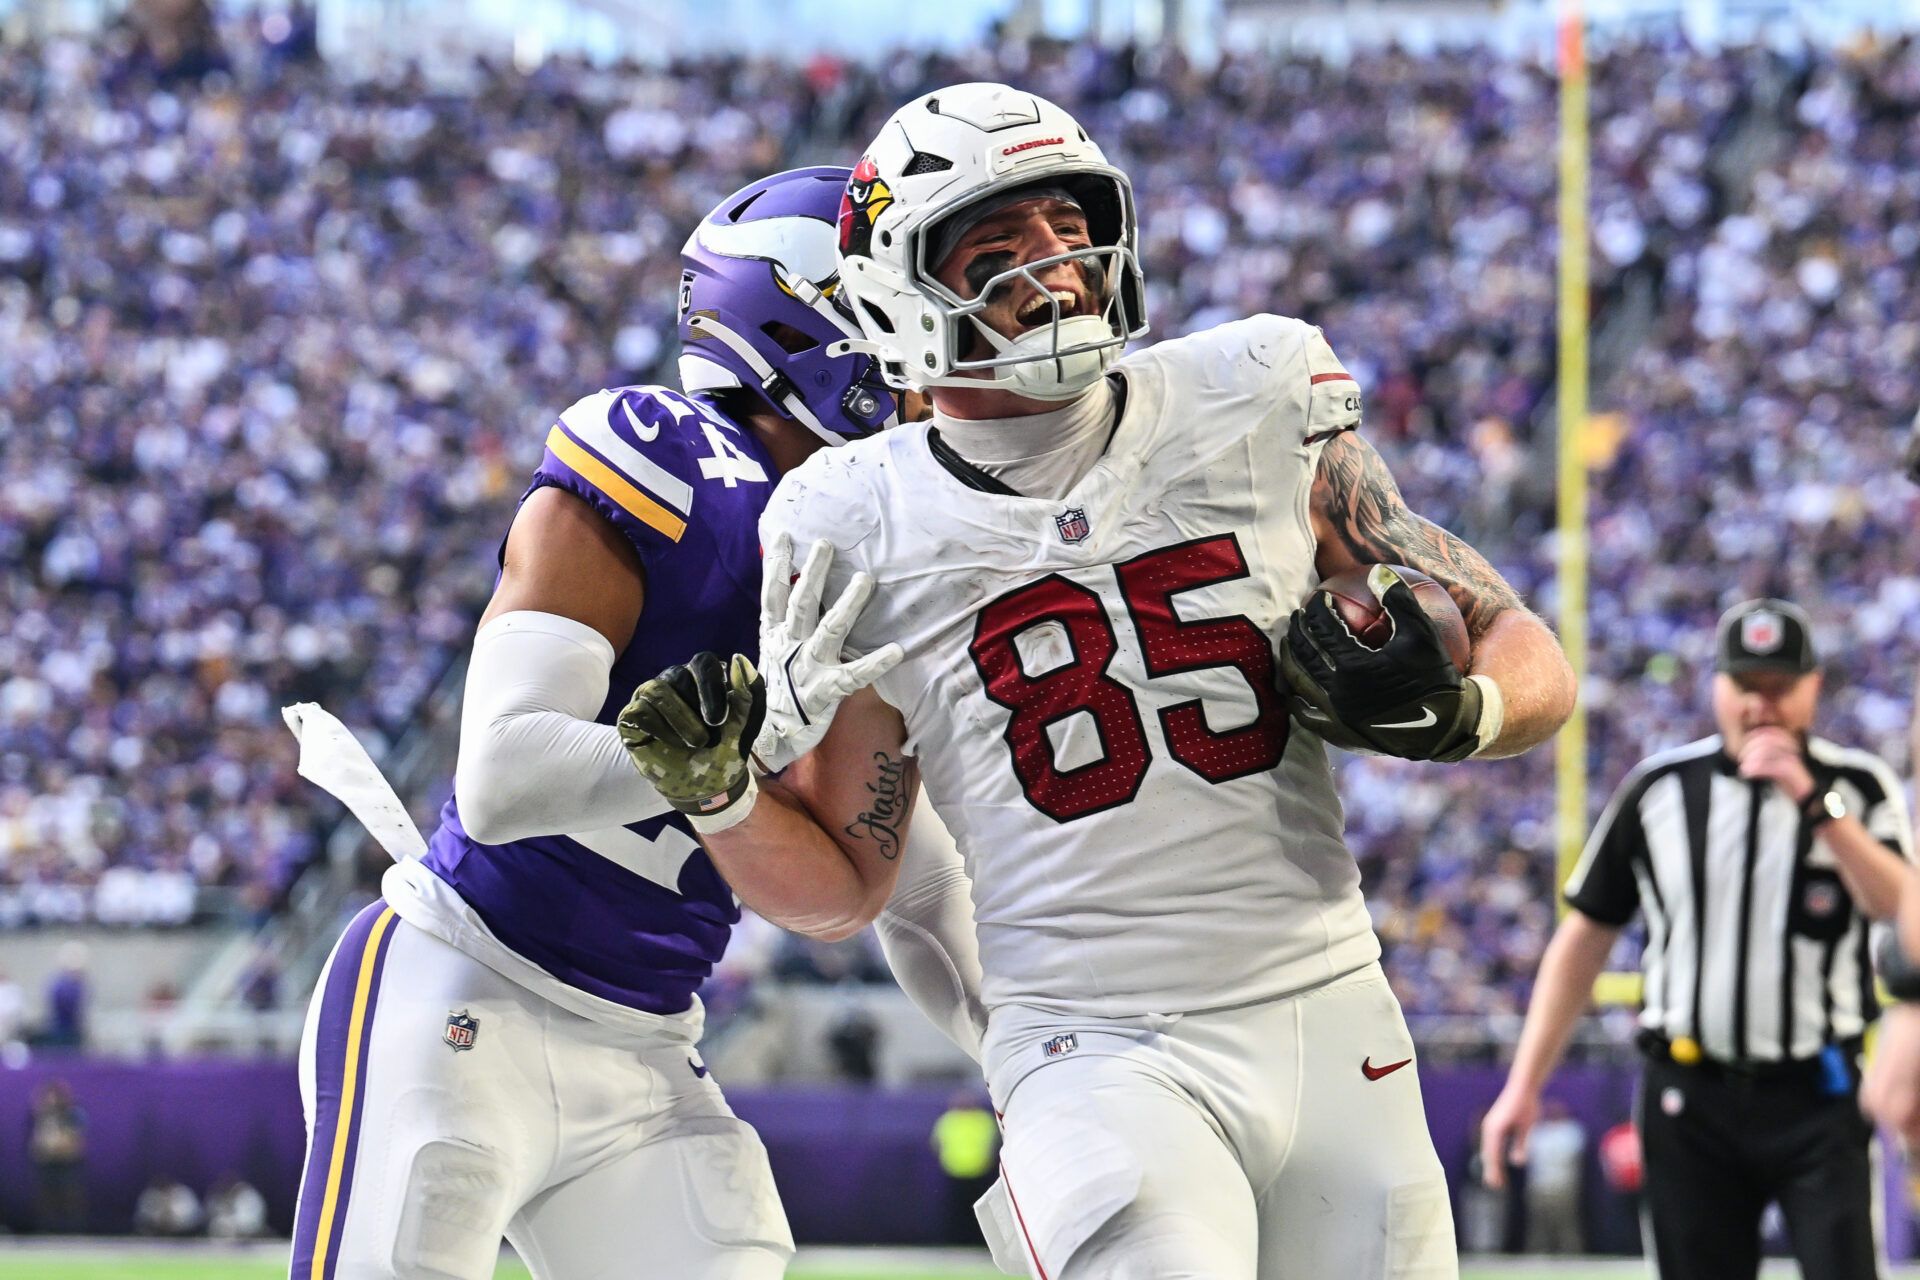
[866,199]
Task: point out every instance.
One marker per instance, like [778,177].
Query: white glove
[800,652]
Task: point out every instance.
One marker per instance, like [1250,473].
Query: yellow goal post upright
[1570,759]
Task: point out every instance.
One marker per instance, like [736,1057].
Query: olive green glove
[688,731]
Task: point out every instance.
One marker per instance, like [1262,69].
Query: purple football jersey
[686,487]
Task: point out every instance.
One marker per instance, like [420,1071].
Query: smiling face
[1014,235]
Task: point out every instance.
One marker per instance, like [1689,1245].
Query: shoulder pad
[626,450]
[640,453]
[1268,362]
[1333,394]
[831,495]
[1242,355]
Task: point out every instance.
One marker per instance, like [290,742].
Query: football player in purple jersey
[505,1043]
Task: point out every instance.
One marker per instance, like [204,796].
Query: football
[1360,609]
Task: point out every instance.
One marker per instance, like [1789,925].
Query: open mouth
[1038,310]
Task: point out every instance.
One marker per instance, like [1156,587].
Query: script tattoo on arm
[1356,501]
[892,792]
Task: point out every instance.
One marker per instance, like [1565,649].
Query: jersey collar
[980,481]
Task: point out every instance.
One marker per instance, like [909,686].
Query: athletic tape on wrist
[734,814]
[1493,712]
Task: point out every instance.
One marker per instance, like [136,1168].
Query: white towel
[333,759]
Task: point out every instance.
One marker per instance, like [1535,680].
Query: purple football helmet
[756,307]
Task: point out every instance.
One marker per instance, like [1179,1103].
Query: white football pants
[447,1106]
[1280,1141]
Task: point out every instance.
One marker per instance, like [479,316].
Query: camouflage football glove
[688,731]
[1404,699]
[807,679]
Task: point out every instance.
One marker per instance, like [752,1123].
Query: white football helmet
[958,149]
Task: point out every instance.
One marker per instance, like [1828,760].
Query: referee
[1758,856]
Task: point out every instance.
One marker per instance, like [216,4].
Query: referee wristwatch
[1823,806]
[1899,973]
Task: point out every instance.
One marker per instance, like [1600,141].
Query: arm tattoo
[1354,493]
[886,814]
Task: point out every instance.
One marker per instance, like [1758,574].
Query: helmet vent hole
[886,237]
[791,340]
[926,162]
[739,211]
[877,317]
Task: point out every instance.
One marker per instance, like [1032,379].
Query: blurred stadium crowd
[280,348]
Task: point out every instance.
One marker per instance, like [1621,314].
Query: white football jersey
[1089,683]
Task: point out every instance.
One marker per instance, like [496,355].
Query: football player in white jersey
[506,1042]
[1086,564]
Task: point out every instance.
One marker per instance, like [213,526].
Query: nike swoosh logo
[1426,718]
[645,433]
[1372,1072]
[699,1068]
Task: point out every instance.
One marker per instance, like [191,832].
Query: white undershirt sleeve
[533,762]
[926,932]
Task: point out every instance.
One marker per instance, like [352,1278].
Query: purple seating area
[280,349]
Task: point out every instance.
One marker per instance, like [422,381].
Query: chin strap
[776,386]
[859,347]
[1075,368]
[1045,391]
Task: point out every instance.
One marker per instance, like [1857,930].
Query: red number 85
[1148,584]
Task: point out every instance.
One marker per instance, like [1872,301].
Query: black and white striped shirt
[1754,948]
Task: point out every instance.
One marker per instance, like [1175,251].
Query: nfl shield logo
[1072,524]
[462,1027]
[1762,632]
[1060,1046]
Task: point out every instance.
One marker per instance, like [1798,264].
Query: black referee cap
[1765,635]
